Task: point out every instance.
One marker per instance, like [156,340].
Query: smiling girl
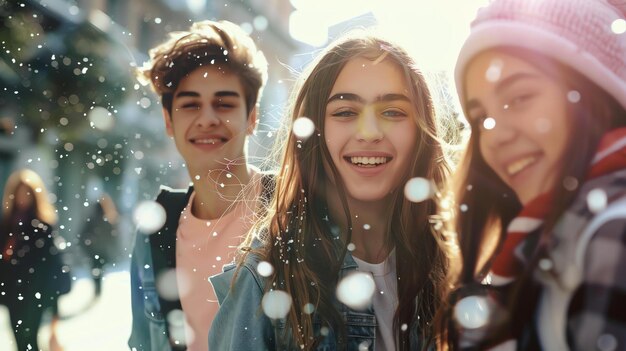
[339,208]
[542,187]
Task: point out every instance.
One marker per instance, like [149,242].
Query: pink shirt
[202,248]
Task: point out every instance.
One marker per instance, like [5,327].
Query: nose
[497,132]
[369,128]
[207,118]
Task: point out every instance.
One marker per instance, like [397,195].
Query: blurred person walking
[32,273]
[100,239]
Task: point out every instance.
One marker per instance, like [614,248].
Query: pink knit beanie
[586,35]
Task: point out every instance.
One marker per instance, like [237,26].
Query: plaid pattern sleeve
[597,312]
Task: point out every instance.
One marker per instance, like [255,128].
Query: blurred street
[105,326]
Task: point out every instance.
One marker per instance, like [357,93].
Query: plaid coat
[582,304]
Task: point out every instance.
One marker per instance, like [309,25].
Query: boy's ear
[252,121]
[168,122]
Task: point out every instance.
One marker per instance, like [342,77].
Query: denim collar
[348,262]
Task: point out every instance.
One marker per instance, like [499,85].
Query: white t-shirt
[385,299]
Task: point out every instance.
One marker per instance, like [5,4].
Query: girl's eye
[393,113]
[477,122]
[518,101]
[344,113]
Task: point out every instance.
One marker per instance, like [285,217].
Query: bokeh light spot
[303,127]
[276,304]
[356,290]
[619,26]
[265,268]
[573,96]
[493,73]
[418,189]
[149,216]
[489,123]
[166,285]
[596,200]
[472,312]
[100,118]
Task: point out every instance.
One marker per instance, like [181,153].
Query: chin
[527,197]
[369,197]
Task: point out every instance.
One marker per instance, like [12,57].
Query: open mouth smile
[519,165]
[208,141]
[367,161]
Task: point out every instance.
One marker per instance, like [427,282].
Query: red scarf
[610,157]
[8,249]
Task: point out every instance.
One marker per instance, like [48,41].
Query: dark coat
[35,269]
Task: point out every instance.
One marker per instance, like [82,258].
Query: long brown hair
[489,205]
[42,208]
[298,242]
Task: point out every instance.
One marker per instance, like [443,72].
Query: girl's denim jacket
[241,324]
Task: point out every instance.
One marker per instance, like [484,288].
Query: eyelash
[190,105]
[520,99]
[514,102]
[395,113]
[224,105]
[387,113]
[344,113]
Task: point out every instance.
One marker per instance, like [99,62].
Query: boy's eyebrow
[227,93]
[354,97]
[224,93]
[187,93]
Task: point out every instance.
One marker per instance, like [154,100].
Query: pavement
[103,326]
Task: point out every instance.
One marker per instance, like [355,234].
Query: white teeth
[207,141]
[368,160]
[520,164]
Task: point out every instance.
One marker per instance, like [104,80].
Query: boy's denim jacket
[241,324]
[152,255]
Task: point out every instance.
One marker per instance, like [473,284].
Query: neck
[218,190]
[369,225]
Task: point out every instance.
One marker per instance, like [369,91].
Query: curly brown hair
[205,43]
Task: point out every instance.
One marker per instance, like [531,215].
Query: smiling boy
[209,80]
